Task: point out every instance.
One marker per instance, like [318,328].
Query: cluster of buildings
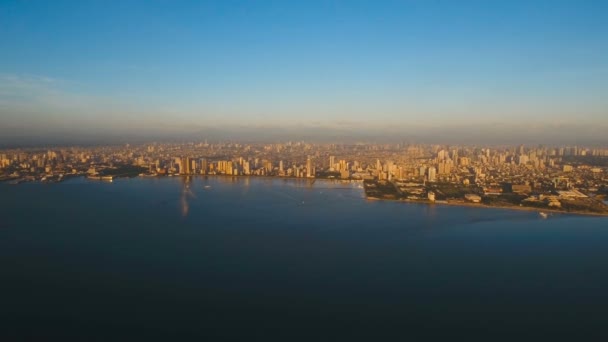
[237,167]
[495,169]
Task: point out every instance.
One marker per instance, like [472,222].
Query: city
[319,170]
[562,179]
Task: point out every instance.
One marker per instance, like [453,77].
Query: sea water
[223,258]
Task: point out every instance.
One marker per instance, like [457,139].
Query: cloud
[15,88]
[43,98]
[30,93]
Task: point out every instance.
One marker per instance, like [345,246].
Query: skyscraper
[187,164]
[432,174]
[442,155]
[445,167]
[204,166]
[229,168]
[178,162]
[309,169]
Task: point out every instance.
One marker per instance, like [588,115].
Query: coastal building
[473,198]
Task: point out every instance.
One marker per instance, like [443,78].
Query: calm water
[227,259]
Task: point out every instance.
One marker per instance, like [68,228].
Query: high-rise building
[309,168]
[432,176]
[454,154]
[229,168]
[522,159]
[187,166]
[204,167]
[445,167]
[442,155]
[268,166]
[178,163]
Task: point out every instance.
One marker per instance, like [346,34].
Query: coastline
[116,177]
[474,205]
[370,198]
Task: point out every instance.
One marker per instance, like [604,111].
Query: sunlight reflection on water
[186,194]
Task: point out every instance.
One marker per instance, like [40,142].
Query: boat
[543,215]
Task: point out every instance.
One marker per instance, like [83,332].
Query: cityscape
[567,178]
[318,170]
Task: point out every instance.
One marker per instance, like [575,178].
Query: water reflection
[186,195]
[224,179]
[275,185]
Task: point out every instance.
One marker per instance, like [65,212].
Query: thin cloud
[26,85]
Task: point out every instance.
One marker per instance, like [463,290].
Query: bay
[226,258]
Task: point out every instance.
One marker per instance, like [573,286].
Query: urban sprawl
[562,179]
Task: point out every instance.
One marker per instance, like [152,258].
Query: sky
[428,68]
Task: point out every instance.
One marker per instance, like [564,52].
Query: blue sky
[179,65]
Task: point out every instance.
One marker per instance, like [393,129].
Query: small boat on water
[543,215]
[207,187]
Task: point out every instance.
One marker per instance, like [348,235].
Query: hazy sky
[180,66]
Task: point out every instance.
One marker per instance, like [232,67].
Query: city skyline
[336,170]
[95,72]
[557,178]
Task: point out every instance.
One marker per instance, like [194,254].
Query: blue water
[223,258]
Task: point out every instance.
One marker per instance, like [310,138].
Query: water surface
[234,258]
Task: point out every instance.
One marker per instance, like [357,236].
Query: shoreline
[369,198]
[116,177]
[473,205]
[349,180]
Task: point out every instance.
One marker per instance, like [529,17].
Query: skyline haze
[528,71]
